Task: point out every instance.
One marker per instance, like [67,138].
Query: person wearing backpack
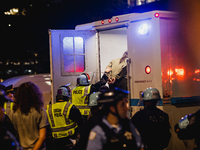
[114,130]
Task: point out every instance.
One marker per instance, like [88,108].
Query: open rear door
[72,52]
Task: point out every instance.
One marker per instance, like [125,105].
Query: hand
[110,81]
[108,69]
[113,80]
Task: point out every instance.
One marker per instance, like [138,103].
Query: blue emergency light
[143,29]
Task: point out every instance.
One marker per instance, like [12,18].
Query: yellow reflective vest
[80,98]
[8,106]
[58,116]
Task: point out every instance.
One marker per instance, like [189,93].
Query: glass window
[73,54]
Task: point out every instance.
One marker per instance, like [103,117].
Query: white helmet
[64,93]
[93,99]
[151,94]
[184,121]
[83,79]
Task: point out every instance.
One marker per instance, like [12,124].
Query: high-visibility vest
[8,106]
[58,116]
[80,98]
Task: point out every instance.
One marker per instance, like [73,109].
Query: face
[1,114]
[122,108]
[11,96]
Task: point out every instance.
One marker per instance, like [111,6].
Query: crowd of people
[90,117]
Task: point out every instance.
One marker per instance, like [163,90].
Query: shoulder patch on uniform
[92,135]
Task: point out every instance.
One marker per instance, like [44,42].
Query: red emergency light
[109,20]
[102,22]
[116,19]
[156,15]
[148,69]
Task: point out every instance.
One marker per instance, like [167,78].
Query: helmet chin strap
[116,113]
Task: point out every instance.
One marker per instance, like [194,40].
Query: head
[125,55]
[10,92]
[83,80]
[114,102]
[28,95]
[3,99]
[151,96]
[63,93]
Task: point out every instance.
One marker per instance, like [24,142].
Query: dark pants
[62,144]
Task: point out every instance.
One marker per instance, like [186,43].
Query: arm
[42,137]
[97,139]
[75,115]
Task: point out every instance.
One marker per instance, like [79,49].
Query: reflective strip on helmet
[51,116]
[64,128]
[65,112]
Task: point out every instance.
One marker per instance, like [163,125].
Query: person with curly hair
[29,117]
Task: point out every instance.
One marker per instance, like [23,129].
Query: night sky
[29,29]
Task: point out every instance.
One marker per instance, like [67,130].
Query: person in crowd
[84,88]
[114,131]
[188,128]
[8,139]
[118,75]
[65,119]
[29,117]
[151,122]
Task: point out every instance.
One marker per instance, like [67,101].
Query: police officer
[152,123]
[7,131]
[189,128]
[114,131]
[64,118]
[83,89]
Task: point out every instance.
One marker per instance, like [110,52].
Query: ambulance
[157,58]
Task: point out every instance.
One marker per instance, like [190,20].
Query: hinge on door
[128,60]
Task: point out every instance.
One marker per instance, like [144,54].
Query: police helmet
[151,94]
[63,93]
[184,121]
[83,79]
[93,99]
[112,96]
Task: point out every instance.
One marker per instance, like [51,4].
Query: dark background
[26,43]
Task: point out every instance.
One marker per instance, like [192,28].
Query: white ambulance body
[156,59]
[43,81]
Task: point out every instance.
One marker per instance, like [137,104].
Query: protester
[118,75]
[29,117]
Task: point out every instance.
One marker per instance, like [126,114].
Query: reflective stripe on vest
[66,129]
[8,106]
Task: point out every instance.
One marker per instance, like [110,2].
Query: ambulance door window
[73,55]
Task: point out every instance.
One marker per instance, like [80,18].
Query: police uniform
[192,131]
[105,137]
[80,98]
[8,106]
[64,119]
[153,125]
